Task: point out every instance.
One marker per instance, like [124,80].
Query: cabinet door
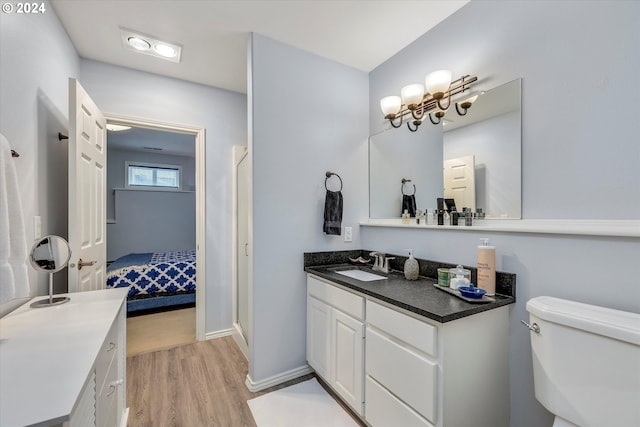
[347,345]
[318,332]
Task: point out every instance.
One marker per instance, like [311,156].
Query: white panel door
[87,191]
[318,336]
[243,245]
[459,182]
[347,346]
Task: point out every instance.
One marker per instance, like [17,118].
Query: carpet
[305,404]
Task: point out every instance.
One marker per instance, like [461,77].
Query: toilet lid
[612,323]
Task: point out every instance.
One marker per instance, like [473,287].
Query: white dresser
[65,365]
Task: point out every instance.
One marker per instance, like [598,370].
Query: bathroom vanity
[402,352]
[65,365]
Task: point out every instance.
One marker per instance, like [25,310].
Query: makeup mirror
[49,255]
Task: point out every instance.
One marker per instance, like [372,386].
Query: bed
[155,279]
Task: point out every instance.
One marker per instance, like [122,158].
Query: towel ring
[328,175]
[404,181]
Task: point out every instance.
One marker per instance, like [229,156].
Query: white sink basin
[361,275]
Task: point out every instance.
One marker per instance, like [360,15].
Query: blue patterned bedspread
[153,273]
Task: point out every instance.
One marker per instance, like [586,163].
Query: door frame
[200,143]
[239,153]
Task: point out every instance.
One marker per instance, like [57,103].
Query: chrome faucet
[378,260]
[381,262]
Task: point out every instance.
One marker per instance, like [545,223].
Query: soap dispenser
[411,267]
[487,267]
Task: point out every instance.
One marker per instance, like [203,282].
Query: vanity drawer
[383,409]
[342,300]
[106,355]
[107,395]
[418,334]
[405,373]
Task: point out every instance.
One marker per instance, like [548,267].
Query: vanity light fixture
[149,45]
[432,99]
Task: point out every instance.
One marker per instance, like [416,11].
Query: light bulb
[165,50]
[412,95]
[138,43]
[438,82]
[390,106]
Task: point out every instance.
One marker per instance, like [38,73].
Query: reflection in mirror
[482,154]
[474,159]
[50,254]
[396,154]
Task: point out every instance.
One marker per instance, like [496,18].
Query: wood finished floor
[194,385]
[200,384]
[162,330]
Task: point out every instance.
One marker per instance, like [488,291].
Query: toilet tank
[586,362]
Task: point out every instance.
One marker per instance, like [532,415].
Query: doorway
[169,174]
[241,324]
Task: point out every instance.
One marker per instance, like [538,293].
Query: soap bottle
[405,217]
[487,267]
[411,267]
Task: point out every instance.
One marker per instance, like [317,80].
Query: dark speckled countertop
[417,296]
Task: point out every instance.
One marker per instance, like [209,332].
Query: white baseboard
[277,379]
[217,334]
[236,333]
[124,420]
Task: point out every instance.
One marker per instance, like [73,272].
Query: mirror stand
[49,255]
[51,300]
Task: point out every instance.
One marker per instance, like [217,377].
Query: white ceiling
[152,141]
[214,33]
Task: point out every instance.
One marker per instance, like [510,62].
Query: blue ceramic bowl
[471,292]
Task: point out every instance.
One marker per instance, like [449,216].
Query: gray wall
[580,151]
[222,113]
[36,59]
[307,115]
[149,221]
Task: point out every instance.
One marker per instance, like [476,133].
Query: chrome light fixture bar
[433,100]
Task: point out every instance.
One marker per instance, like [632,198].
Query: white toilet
[586,363]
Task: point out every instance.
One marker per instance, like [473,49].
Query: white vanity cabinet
[432,374]
[418,372]
[65,365]
[335,339]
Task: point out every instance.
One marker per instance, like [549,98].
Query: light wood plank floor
[163,330]
[194,385]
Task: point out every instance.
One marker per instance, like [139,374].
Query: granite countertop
[417,296]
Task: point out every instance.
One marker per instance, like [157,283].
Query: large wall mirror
[474,159]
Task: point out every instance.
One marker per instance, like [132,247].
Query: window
[150,176]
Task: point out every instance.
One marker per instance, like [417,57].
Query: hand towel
[409,203]
[333,213]
[14,279]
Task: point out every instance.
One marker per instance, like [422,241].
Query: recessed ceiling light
[138,43]
[116,128]
[149,45]
[164,50]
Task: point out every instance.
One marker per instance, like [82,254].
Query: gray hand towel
[333,213]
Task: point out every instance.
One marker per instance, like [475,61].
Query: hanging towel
[409,203]
[333,213]
[14,279]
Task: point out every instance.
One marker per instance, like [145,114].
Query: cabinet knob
[112,345]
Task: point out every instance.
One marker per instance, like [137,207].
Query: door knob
[85,263]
